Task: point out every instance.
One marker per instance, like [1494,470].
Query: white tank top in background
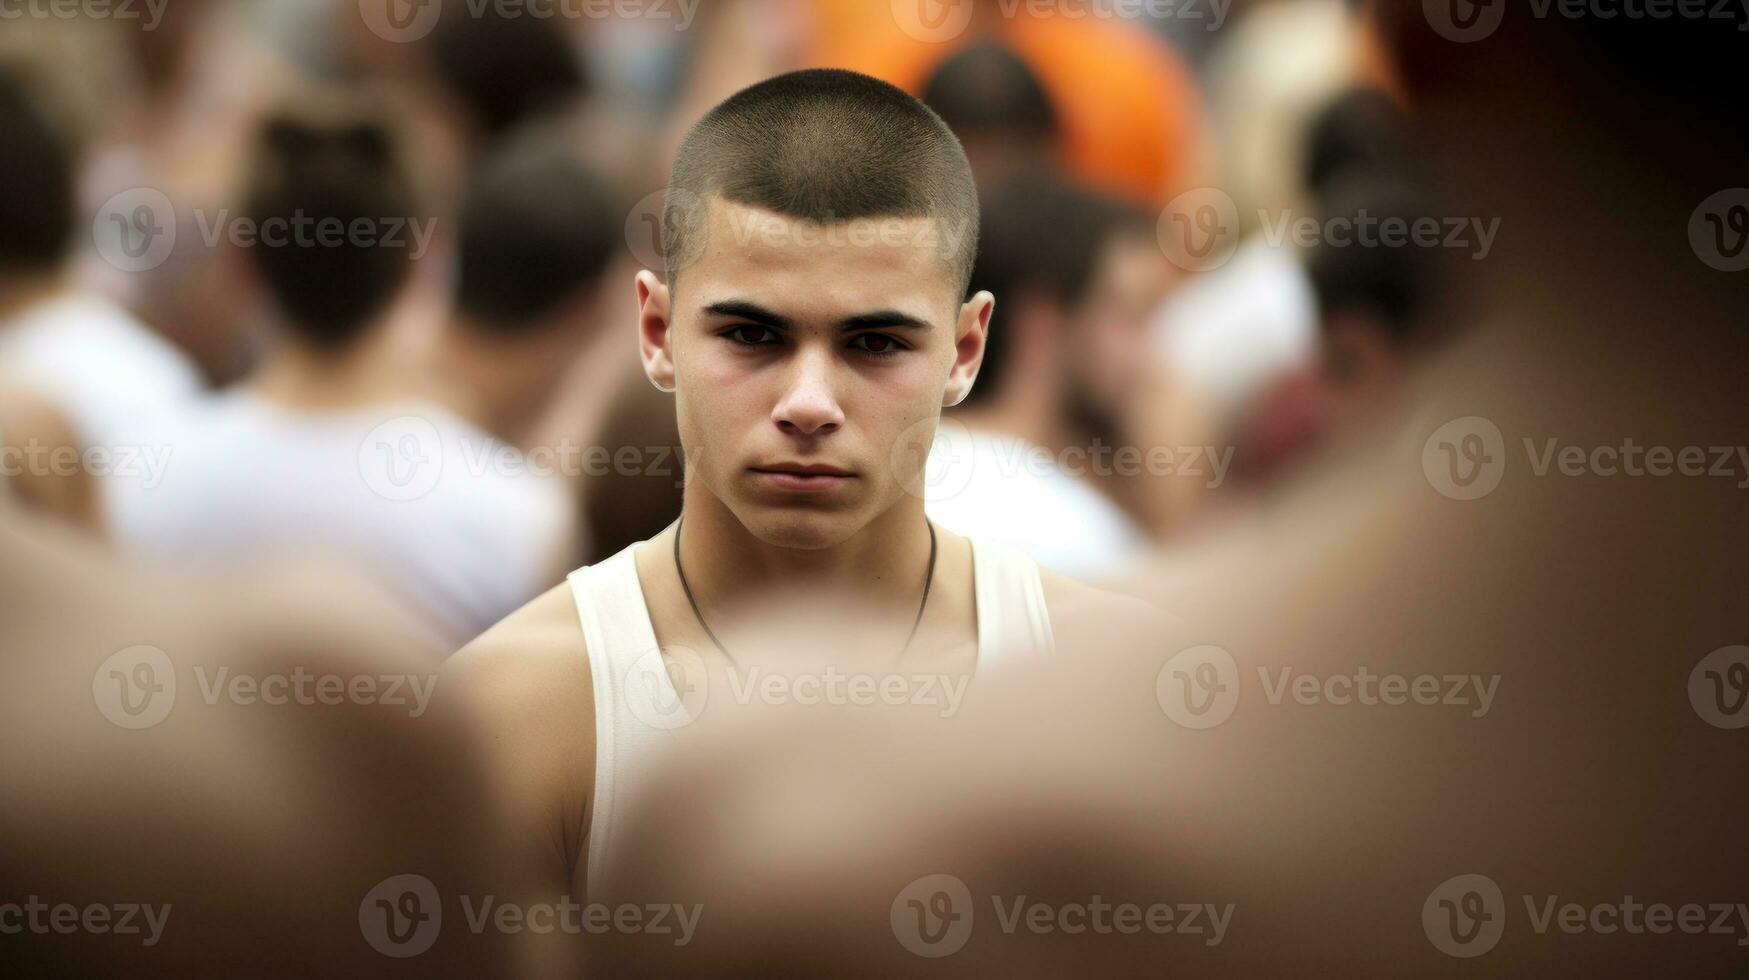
[434,508]
[637,705]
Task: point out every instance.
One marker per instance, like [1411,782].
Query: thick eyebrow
[753,312]
[743,310]
[882,318]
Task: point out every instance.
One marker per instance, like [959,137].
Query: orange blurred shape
[1127,104]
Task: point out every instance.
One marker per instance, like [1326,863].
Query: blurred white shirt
[1228,333]
[105,369]
[435,508]
[1008,491]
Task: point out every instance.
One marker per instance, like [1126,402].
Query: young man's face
[811,363]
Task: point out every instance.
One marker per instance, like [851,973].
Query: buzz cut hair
[824,145]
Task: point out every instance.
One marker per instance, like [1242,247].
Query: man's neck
[883,563]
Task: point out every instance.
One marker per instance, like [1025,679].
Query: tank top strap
[1013,621]
[636,701]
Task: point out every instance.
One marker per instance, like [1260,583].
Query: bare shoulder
[525,683]
[532,665]
[1083,615]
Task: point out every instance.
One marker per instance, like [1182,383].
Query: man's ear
[968,347]
[655,339]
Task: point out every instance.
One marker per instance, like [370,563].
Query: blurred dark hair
[36,162]
[1659,89]
[1358,129]
[325,163]
[986,89]
[506,69]
[537,226]
[1391,285]
[1043,237]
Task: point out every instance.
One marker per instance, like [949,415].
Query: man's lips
[802,476]
[803,469]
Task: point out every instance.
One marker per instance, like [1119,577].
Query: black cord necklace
[928,580]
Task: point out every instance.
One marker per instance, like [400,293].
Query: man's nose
[808,405]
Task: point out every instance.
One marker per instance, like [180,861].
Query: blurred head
[1372,299]
[504,69]
[1077,275]
[996,106]
[819,235]
[337,172]
[36,205]
[1361,129]
[538,230]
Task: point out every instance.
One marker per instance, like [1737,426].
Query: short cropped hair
[537,228]
[824,145]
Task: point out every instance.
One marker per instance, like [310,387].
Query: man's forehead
[841,266]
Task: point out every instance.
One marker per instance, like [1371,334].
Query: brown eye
[877,343]
[751,336]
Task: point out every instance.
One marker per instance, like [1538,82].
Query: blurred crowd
[352,282]
[317,358]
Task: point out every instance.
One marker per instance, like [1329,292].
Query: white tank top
[637,704]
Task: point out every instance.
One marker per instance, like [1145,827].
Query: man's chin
[805,528]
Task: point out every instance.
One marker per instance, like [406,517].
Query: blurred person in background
[342,442]
[1239,341]
[500,70]
[1076,276]
[1374,303]
[181,94]
[999,110]
[77,372]
[538,232]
